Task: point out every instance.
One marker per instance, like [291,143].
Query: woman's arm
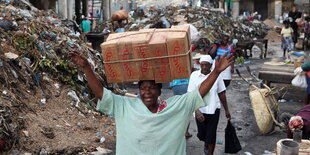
[92,80]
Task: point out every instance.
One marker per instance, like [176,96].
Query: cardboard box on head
[137,55]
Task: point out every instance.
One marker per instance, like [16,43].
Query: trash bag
[232,144]
[300,81]
[195,36]
[7,25]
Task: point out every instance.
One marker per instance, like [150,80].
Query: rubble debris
[101,151]
[34,46]
[7,25]
[48,132]
[210,24]
[102,140]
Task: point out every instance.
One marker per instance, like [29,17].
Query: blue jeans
[180,89]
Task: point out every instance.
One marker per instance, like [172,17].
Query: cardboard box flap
[185,28]
[114,36]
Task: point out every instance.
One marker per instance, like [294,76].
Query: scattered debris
[247,153]
[11,55]
[101,151]
[102,140]
[33,65]
[48,132]
[43,100]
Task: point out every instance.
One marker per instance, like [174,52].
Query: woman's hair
[286,22]
[225,36]
[153,81]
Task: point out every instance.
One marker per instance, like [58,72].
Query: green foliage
[61,70]
[240,60]
[24,42]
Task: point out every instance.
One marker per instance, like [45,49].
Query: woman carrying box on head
[146,125]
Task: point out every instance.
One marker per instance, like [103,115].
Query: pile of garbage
[210,23]
[33,55]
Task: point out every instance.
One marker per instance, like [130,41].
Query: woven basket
[265,108]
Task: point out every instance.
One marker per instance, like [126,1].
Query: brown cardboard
[114,36]
[113,71]
[125,52]
[184,28]
[141,50]
[158,47]
[145,44]
[177,43]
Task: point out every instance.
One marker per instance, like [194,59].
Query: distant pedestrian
[307,32]
[294,14]
[305,68]
[219,49]
[286,35]
[85,25]
[207,117]
[97,15]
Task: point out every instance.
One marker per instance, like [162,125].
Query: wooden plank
[276,76]
[280,68]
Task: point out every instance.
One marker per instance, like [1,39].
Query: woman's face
[225,41]
[286,25]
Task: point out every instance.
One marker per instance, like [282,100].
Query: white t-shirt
[213,100]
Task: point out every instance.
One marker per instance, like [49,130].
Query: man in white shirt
[207,117]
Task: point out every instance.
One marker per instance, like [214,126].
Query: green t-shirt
[85,25]
[141,132]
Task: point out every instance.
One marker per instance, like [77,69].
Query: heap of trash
[35,71]
[210,23]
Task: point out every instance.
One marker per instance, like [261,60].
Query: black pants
[207,128]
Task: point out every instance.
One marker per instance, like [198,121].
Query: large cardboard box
[161,55]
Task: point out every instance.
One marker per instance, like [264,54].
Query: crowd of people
[145,124]
[295,24]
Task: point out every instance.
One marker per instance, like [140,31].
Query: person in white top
[207,117]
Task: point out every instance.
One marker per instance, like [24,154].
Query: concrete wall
[126,4]
[271,8]
[303,5]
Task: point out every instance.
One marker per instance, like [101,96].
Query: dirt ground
[57,126]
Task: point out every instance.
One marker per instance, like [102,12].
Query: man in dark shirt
[294,14]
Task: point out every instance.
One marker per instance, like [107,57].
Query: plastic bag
[195,36]
[232,144]
[300,81]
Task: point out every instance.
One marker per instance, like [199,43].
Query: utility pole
[85,8]
[92,18]
[78,11]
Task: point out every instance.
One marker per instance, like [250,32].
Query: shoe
[206,150]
